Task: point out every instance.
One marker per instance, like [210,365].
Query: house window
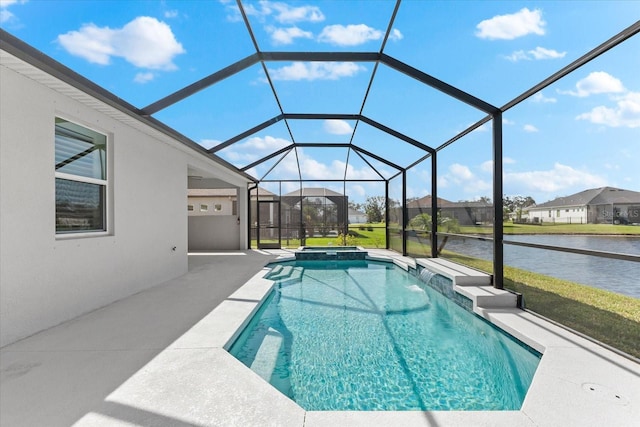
[204,208]
[81,178]
[190,208]
[217,207]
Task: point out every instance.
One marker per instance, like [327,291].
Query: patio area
[156,359]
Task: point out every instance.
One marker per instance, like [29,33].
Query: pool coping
[576,382]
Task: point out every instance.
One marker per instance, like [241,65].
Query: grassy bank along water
[608,317]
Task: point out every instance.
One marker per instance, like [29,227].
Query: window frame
[107,198]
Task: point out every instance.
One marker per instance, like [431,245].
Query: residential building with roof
[357,217]
[467,212]
[77,165]
[603,205]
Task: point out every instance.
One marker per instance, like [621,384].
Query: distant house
[357,217]
[467,213]
[604,205]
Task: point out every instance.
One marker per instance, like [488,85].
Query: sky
[581,132]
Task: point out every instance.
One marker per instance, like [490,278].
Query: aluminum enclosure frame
[494,114]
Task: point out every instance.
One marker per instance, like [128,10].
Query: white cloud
[508,122]
[352,173]
[482,128]
[540,98]
[280,12]
[6,15]
[537,54]
[395,35]
[460,171]
[316,71]
[461,176]
[144,42]
[287,35]
[509,27]
[250,150]
[518,55]
[595,83]
[313,168]
[7,3]
[143,77]
[170,14]
[209,143]
[488,165]
[530,128]
[626,113]
[542,53]
[356,192]
[350,35]
[288,14]
[233,13]
[337,127]
[559,178]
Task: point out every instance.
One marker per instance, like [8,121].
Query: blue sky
[579,133]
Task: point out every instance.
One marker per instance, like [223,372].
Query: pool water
[362,335]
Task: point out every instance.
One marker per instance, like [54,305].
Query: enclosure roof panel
[381,83]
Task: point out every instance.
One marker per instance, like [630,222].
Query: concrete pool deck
[157,358]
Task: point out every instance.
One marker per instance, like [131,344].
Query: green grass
[365,235]
[606,316]
[549,228]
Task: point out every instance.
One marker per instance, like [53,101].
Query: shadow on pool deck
[60,375]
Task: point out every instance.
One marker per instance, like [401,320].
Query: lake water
[618,276]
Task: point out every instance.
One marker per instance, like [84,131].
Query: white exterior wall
[564,214]
[357,219]
[46,280]
[224,202]
[213,232]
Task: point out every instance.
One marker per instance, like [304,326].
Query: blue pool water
[362,335]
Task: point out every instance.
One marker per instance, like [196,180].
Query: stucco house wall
[46,279]
[576,214]
[211,203]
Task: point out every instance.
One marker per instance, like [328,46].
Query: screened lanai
[388,131]
[385,100]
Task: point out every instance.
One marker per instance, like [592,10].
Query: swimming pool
[364,335]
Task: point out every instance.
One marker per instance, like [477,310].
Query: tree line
[374,206]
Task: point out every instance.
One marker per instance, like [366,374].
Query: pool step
[276,270]
[471,283]
[266,357]
[459,274]
[286,274]
[294,277]
[488,296]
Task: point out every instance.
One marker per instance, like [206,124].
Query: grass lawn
[611,318]
[365,235]
[549,228]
